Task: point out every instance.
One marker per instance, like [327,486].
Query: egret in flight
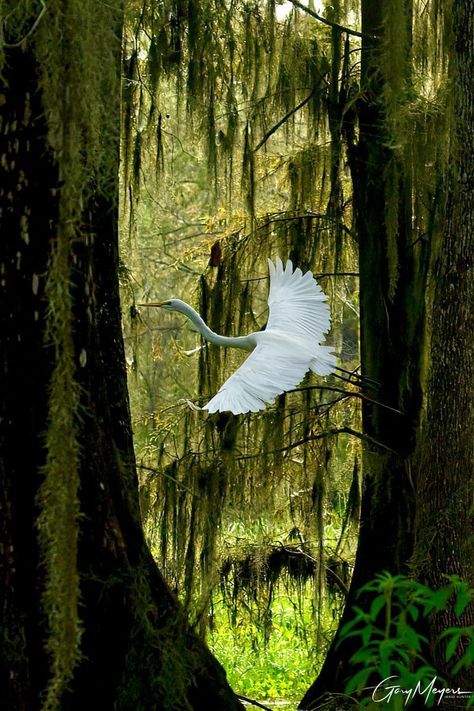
[283,352]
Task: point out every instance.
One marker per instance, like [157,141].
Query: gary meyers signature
[388,688]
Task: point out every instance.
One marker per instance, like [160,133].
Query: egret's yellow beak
[156,303]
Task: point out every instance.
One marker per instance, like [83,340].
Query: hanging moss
[282,99]
[58,495]
[268,84]
[396,67]
[69,42]
[167,675]
[198,490]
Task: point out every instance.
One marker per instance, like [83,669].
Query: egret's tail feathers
[325,362]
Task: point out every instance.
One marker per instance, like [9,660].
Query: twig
[252,701]
[347,393]
[168,476]
[321,435]
[306,215]
[335,25]
[360,383]
[355,374]
[33,27]
[323,275]
[283,120]
[339,582]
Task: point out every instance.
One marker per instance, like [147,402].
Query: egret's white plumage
[281,355]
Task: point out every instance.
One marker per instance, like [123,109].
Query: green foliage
[390,629]
[281,668]
[189,462]
[271,109]
[395,65]
[207,482]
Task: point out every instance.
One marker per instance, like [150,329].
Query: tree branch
[253,702]
[322,275]
[168,476]
[285,118]
[334,25]
[321,435]
[306,215]
[33,27]
[347,393]
[299,551]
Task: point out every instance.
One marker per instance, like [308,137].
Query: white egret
[281,354]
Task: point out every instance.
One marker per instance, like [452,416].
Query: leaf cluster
[390,627]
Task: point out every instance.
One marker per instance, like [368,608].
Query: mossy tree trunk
[445,497]
[134,649]
[393,267]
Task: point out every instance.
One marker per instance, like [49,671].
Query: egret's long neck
[205,331]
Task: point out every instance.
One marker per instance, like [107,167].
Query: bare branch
[322,275]
[305,216]
[335,25]
[253,702]
[285,118]
[347,393]
[33,27]
[340,583]
[168,476]
[321,435]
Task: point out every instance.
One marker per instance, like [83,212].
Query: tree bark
[137,650]
[445,497]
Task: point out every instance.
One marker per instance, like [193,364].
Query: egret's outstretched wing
[270,370]
[297,304]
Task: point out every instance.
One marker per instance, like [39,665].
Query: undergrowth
[281,669]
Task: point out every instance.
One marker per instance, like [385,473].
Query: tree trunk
[136,650]
[392,312]
[445,497]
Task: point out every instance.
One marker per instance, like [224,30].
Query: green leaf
[365,654]
[385,661]
[412,638]
[439,598]
[464,596]
[347,628]
[377,604]
[361,614]
[452,644]
[425,673]
[403,655]
[366,634]
[467,659]
[359,680]
[401,669]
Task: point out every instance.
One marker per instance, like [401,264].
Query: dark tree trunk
[445,497]
[137,650]
[391,335]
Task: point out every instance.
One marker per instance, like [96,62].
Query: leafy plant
[280,669]
[392,642]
